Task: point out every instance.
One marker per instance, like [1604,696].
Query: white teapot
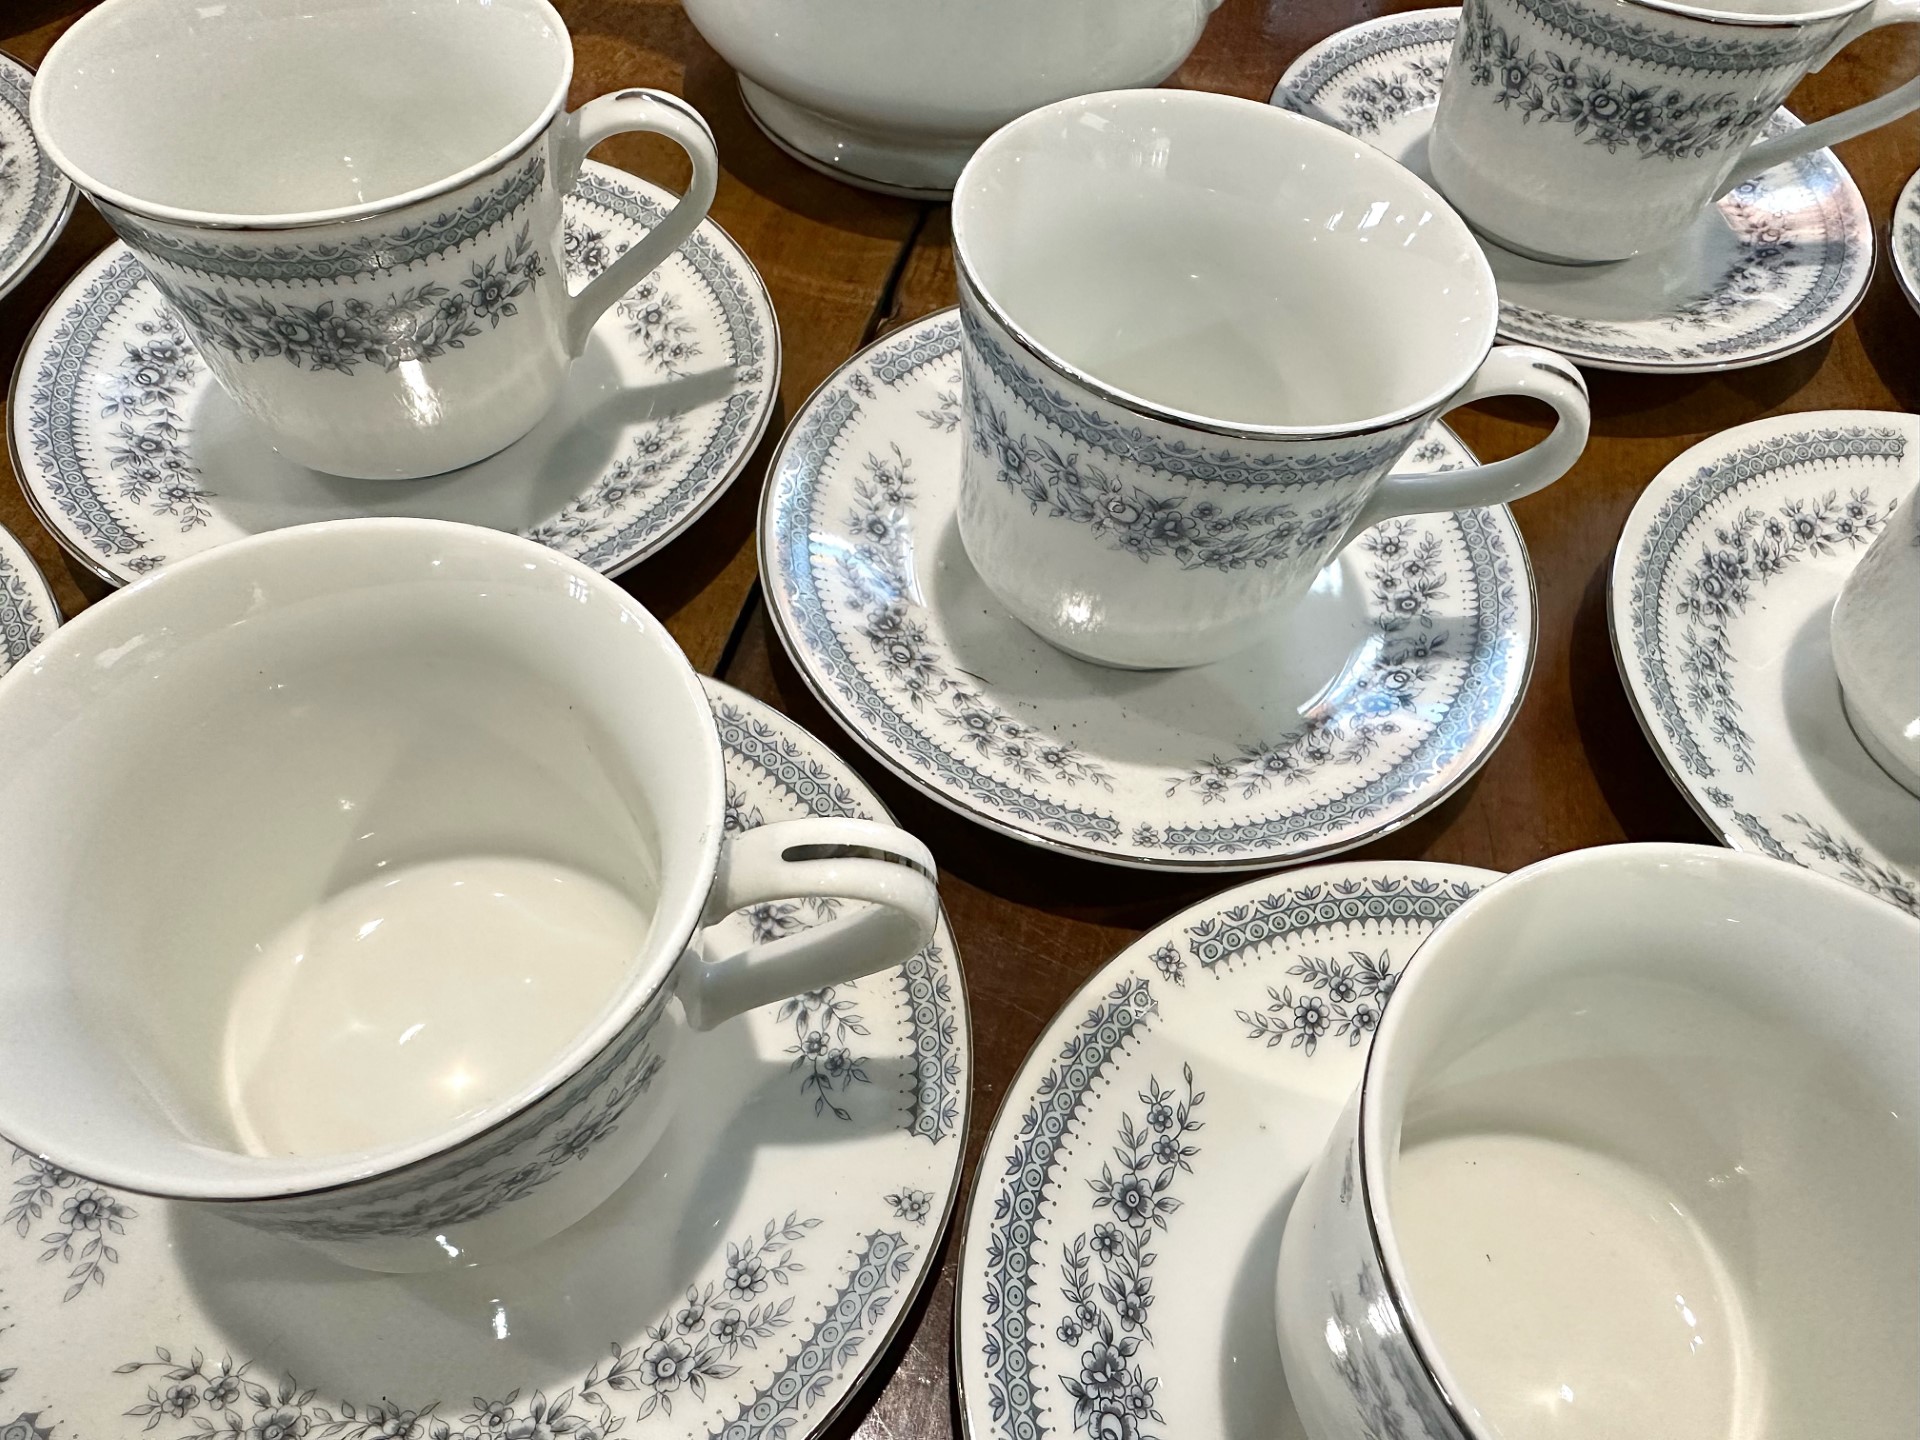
[894,95]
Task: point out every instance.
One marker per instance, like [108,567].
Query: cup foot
[890,164]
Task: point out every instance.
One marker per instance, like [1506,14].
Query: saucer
[1117,1265]
[1903,240]
[1373,701]
[134,457]
[36,200]
[1718,602]
[742,1285]
[27,609]
[1780,263]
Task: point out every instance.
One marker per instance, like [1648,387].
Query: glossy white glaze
[1876,645]
[214,752]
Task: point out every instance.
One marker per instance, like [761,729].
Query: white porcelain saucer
[27,609]
[134,457]
[741,1286]
[1719,600]
[1903,240]
[36,200]
[1374,700]
[1781,262]
[1117,1267]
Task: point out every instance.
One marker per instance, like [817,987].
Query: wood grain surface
[843,266]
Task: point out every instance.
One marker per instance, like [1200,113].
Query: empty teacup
[360,877]
[1636,1153]
[1588,130]
[1876,645]
[355,208]
[1198,334]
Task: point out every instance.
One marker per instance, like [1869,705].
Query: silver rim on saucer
[104,404]
[1802,230]
[28,613]
[36,200]
[1381,748]
[1298,970]
[1759,525]
[762,1314]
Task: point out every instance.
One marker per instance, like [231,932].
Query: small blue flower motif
[1160,1116]
[1105,1240]
[178,1399]
[222,1391]
[1068,1332]
[1166,1149]
[914,1205]
[1132,1200]
[690,1318]
[746,1277]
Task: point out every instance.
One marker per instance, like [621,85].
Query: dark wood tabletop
[845,266]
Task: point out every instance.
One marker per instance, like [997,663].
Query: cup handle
[657,113]
[1868,115]
[1507,370]
[790,859]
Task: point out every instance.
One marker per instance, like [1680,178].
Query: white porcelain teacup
[1198,334]
[1590,130]
[360,877]
[354,206]
[1636,1153]
[1876,645]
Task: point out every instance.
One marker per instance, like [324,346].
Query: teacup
[361,885]
[1591,130]
[355,207]
[1876,645]
[1636,1152]
[1198,334]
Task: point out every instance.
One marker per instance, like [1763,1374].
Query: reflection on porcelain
[1605,1088]
[1720,603]
[35,198]
[380,310]
[1370,703]
[1903,240]
[332,742]
[1774,267]
[748,1279]
[895,97]
[135,459]
[1115,1279]
[1097,504]
[1876,643]
[1590,130]
[27,609]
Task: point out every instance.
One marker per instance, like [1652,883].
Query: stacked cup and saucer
[430,1008]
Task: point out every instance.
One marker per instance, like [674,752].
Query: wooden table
[845,266]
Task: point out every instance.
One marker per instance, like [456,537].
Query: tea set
[571,1046]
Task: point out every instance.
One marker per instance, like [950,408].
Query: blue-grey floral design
[1337,1000]
[73,1221]
[22,626]
[1717,47]
[1106,1272]
[1413,62]
[1223,938]
[1903,234]
[35,195]
[362,253]
[911,1205]
[147,454]
[1601,102]
[418,323]
[827,1032]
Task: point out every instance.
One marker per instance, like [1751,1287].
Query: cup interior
[333,846]
[273,108]
[1224,260]
[1641,1152]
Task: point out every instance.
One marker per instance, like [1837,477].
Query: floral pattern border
[53,194]
[25,605]
[1370,102]
[1718,47]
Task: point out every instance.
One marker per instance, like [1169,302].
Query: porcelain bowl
[1635,1153]
[895,96]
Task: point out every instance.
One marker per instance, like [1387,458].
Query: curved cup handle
[847,859]
[1507,370]
[1868,115]
[657,113]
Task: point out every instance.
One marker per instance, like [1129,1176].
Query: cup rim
[1371,1148]
[290,220]
[289,1178]
[1391,171]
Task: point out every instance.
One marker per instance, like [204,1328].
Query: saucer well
[27,609]
[1372,701]
[1118,1257]
[742,1285]
[36,200]
[1775,267]
[134,457]
[1718,601]
[1903,240]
